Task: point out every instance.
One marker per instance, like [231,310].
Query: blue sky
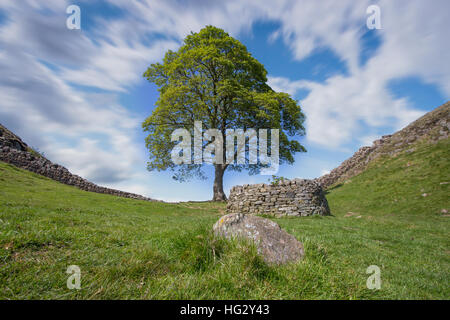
[79,95]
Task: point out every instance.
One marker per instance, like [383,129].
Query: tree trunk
[219,195]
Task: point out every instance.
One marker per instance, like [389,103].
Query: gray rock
[275,245]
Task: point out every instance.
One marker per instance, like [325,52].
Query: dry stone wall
[298,197]
[14,151]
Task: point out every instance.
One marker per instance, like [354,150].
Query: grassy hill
[390,215]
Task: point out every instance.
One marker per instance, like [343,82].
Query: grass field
[130,249]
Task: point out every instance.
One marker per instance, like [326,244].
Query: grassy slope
[135,249]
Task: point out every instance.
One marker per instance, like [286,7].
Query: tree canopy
[212,78]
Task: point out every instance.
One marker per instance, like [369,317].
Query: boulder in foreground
[275,245]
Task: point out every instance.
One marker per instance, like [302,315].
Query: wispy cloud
[343,108]
[40,103]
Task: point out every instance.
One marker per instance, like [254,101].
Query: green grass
[130,249]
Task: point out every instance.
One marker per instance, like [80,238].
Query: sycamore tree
[213,80]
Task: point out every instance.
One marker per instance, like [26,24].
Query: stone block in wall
[298,197]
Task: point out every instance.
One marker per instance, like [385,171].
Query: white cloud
[89,159]
[343,108]
[286,85]
[117,66]
[52,112]
[368,140]
[49,113]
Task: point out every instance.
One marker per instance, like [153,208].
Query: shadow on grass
[333,188]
